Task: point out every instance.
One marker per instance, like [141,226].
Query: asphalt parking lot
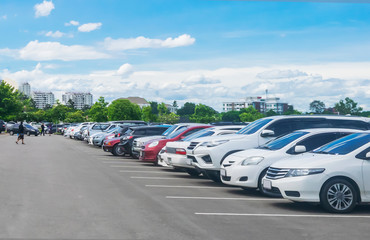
[152,202]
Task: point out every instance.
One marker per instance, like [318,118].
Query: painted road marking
[177,186]
[164,178]
[129,171]
[122,166]
[223,198]
[283,215]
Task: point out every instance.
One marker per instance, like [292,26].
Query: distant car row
[319,159]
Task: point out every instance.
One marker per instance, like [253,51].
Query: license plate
[223,172]
[189,161]
[267,184]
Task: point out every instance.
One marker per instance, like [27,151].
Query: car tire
[338,196]
[214,176]
[11,133]
[118,151]
[193,172]
[28,134]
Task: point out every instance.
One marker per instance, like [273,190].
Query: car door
[365,171]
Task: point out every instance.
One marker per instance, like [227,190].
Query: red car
[151,149]
[111,145]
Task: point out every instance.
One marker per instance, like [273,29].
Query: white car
[336,175]
[161,156]
[247,168]
[176,151]
[208,154]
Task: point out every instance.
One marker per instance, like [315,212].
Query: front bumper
[242,176]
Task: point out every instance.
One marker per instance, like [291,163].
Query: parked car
[2,126]
[176,151]
[28,129]
[110,143]
[247,168]
[151,149]
[139,143]
[336,175]
[98,138]
[9,124]
[208,154]
[127,140]
[78,134]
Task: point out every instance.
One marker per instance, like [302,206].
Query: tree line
[16,106]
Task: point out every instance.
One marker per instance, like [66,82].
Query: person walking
[50,128]
[42,130]
[20,133]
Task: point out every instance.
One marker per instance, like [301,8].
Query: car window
[192,131]
[282,141]
[281,127]
[139,132]
[345,145]
[351,124]
[155,131]
[318,140]
[254,126]
[201,133]
[176,133]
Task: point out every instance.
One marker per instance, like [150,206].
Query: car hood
[149,138]
[218,138]
[307,160]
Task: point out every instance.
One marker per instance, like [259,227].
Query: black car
[2,126]
[28,129]
[136,132]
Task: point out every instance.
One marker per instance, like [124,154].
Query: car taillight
[118,134]
[180,151]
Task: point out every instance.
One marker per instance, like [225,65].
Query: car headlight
[252,160]
[214,143]
[153,144]
[304,172]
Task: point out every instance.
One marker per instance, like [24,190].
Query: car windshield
[177,133]
[100,126]
[345,145]
[169,130]
[282,141]
[254,126]
[112,130]
[202,133]
[28,126]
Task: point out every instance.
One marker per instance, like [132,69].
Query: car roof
[315,116]
[323,130]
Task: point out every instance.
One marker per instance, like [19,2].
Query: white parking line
[177,186]
[164,178]
[122,166]
[223,198]
[128,171]
[283,215]
[122,161]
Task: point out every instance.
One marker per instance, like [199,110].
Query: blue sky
[190,50]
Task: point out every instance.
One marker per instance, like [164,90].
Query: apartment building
[79,99]
[43,99]
[25,88]
[262,105]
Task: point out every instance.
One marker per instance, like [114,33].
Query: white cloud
[45,51]
[200,80]
[277,74]
[56,34]
[43,9]
[125,70]
[72,23]
[142,42]
[88,27]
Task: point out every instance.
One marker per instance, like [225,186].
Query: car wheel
[192,172]
[11,133]
[118,150]
[28,134]
[213,175]
[338,196]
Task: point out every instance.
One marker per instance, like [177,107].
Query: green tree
[170,118]
[317,106]
[231,116]
[10,104]
[154,106]
[204,114]
[99,111]
[187,110]
[71,104]
[270,113]
[75,117]
[348,106]
[147,115]
[174,104]
[59,112]
[122,109]
[162,109]
[250,114]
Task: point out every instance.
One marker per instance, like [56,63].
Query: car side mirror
[300,149]
[368,155]
[267,133]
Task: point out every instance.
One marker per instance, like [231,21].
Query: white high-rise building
[25,88]
[80,100]
[42,99]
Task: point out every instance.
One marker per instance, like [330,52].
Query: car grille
[192,145]
[171,150]
[276,173]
